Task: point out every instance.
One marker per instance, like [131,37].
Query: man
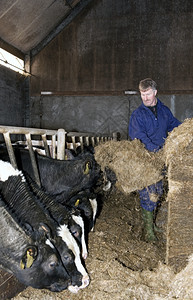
[150,123]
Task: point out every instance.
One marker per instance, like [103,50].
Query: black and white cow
[109,176]
[33,264]
[77,212]
[64,179]
[87,204]
[60,178]
[62,214]
[16,193]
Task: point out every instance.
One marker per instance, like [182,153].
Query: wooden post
[61,144]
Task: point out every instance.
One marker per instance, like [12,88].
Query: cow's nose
[85,281]
[73,289]
[84,254]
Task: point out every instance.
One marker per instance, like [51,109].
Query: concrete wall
[104,114]
[14,97]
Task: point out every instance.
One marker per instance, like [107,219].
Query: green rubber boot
[157,229]
[149,235]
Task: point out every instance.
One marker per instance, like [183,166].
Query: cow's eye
[67,258]
[75,233]
[52,264]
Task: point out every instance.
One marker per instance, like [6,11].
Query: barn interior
[83,61]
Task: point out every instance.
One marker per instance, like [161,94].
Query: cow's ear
[44,228]
[28,228]
[88,166]
[28,257]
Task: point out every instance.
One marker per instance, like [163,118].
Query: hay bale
[178,139]
[134,166]
[180,204]
[182,284]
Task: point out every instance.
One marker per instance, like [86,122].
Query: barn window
[11,61]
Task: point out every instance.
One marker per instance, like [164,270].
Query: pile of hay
[178,139]
[134,166]
[178,155]
[124,284]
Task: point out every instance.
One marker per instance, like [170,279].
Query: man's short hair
[147,83]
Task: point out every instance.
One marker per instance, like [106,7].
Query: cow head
[42,268]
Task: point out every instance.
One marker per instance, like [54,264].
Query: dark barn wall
[14,96]
[114,44]
[106,50]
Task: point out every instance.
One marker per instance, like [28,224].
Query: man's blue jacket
[150,130]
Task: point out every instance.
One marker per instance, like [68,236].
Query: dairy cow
[60,178]
[16,193]
[33,264]
[62,214]
[87,204]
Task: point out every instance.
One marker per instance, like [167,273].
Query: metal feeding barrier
[54,142]
[8,131]
[75,139]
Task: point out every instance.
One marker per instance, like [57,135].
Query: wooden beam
[11,49]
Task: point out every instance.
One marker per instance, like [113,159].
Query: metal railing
[60,135]
[54,142]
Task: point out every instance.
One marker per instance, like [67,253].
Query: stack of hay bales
[134,166]
[178,155]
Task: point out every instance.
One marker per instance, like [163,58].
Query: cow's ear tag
[86,171]
[44,227]
[45,230]
[22,266]
[77,202]
[28,258]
